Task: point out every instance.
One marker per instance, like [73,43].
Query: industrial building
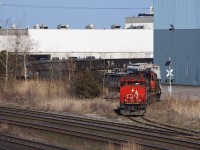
[114,43]
[177,35]
[134,41]
[63,42]
[142,21]
[100,43]
[170,31]
[145,22]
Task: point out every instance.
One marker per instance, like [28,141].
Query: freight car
[137,90]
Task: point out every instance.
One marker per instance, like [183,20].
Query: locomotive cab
[132,95]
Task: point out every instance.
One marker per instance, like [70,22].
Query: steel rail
[169,126]
[105,139]
[173,140]
[27,143]
[2,148]
[94,137]
[63,131]
[113,124]
[81,124]
[100,128]
[183,132]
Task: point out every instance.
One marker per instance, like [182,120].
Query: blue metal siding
[183,14]
[183,46]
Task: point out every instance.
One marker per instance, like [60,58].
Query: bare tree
[6,51]
[15,43]
[25,46]
[70,66]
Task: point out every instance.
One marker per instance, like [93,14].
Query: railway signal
[169,76]
[169,72]
[172,80]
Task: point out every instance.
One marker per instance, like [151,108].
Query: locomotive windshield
[130,70]
[132,82]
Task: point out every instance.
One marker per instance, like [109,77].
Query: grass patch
[4,128]
[181,113]
[94,106]
[125,146]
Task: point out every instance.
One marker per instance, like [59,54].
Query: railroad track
[15,143]
[195,133]
[56,123]
[178,130]
[84,121]
[42,126]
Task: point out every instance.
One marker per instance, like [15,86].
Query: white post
[170,84]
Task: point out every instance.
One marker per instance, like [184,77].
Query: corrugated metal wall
[183,14]
[182,44]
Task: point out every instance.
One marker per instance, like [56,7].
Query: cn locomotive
[140,87]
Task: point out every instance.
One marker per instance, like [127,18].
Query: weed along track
[102,132]
[15,143]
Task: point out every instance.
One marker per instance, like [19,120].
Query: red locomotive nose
[136,89]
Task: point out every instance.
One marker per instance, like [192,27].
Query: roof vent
[14,26]
[45,27]
[90,26]
[115,26]
[136,27]
[144,15]
[38,26]
[60,26]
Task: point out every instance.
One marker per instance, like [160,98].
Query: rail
[57,123]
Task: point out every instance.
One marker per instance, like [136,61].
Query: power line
[63,7]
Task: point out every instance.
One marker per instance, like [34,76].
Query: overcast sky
[75,13]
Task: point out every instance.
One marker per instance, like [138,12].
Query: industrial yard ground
[182,110]
[182,92]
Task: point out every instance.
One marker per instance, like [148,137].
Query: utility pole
[170,83]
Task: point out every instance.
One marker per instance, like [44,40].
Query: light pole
[168,63]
